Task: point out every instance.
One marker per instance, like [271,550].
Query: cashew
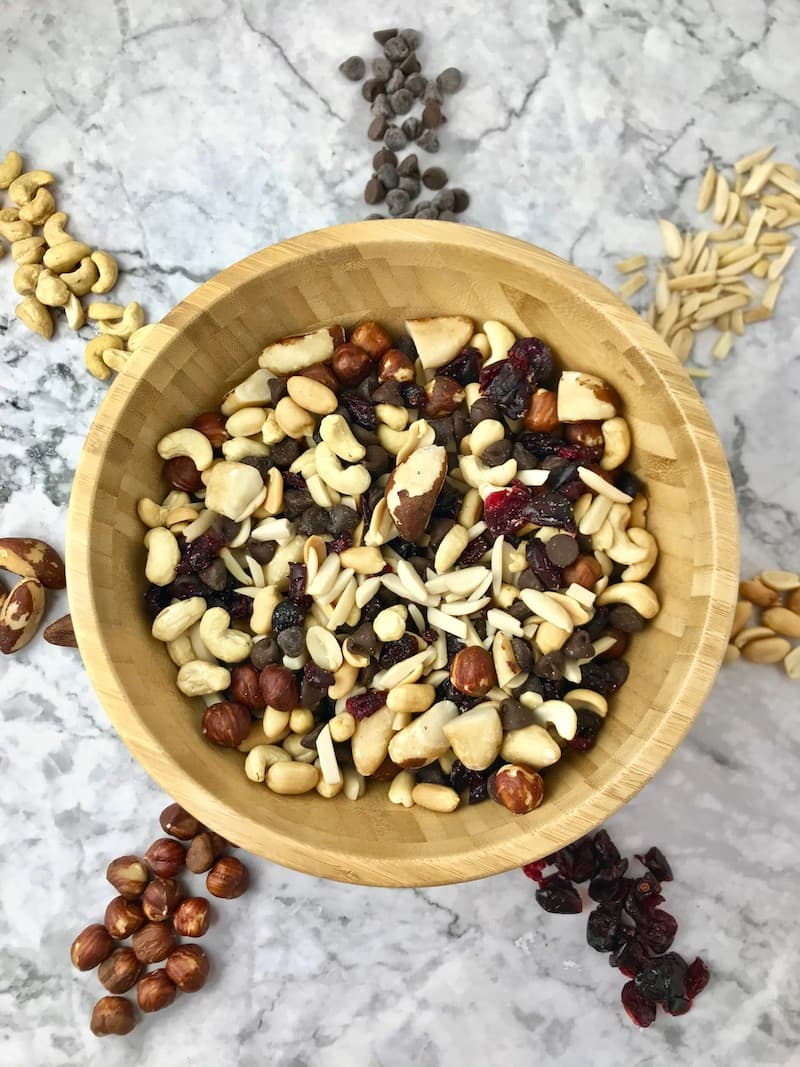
[636,595]
[558,714]
[261,758]
[76,316]
[104,311]
[392,415]
[616,443]
[26,278]
[139,337]
[401,789]
[197,677]
[131,321]
[472,390]
[276,724]
[622,549]
[532,745]
[28,249]
[277,572]
[189,443]
[51,290]
[476,736]
[637,572]
[12,227]
[106,272]
[163,556]
[264,603]
[352,481]
[253,391]
[24,188]
[419,435]
[53,231]
[424,740]
[38,210]
[65,256]
[295,421]
[180,650]
[487,432]
[478,475]
[150,513]
[10,169]
[115,359]
[80,280]
[94,356]
[238,448]
[175,619]
[35,316]
[231,646]
[638,508]
[370,742]
[500,340]
[339,438]
[481,342]
[587,698]
[293,744]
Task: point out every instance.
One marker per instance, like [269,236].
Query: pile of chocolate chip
[398,87]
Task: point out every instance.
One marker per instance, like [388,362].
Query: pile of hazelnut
[153,910]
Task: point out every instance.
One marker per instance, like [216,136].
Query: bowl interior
[389,271]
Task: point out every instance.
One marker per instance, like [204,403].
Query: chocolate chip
[377,128]
[432,92]
[371,88]
[395,82]
[526,461]
[530,580]
[551,666]
[622,617]
[397,201]
[578,645]
[411,186]
[438,527]
[396,49]
[285,452]
[444,200]
[353,68]
[383,155]
[342,520]
[448,216]
[374,191]
[461,200]
[425,211]
[215,575]
[402,101]
[382,36]
[413,38]
[264,652]
[432,115]
[410,65]
[381,106]
[495,454]
[483,408]
[428,141]
[395,138]
[314,520]
[523,652]
[374,215]
[519,610]
[381,69]
[412,127]
[292,640]
[415,83]
[562,550]
[409,166]
[387,176]
[363,640]
[434,178]
[377,460]
[514,715]
[450,80]
[388,393]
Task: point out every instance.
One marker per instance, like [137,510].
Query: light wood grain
[389,271]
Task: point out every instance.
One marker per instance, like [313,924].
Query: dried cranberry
[366,704]
[448,503]
[201,552]
[641,899]
[262,464]
[656,862]
[677,1005]
[396,651]
[559,897]
[156,599]
[537,357]
[627,482]
[295,481]
[188,585]
[460,776]
[604,678]
[239,606]
[316,675]
[659,931]
[589,725]
[465,368]
[535,871]
[506,388]
[475,550]
[607,883]
[429,636]
[549,507]
[546,571]
[369,502]
[447,691]
[641,1011]
[297,580]
[577,861]
[414,396]
[478,791]
[286,614]
[607,852]
[605,930]
[508,509]
[663,978]
[696,977]
[544,444]
[631,957]
[340,544]
[361,411]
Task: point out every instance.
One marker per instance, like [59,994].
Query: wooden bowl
[389,271]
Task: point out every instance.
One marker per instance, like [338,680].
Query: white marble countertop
[187,135]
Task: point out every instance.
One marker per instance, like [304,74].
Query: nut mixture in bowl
[417,559]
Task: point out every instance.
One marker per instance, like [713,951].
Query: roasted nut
[31,558]
[472,671]
[187,967]
[61,632]
[245,688]
[351,364]
[112,1015]
[442,396]
[759,594]
[476,736]
[155,991]
[279,687]
[226,723]
[293,354]
[395,366]
[228,878]
[585,396]
[177,821]
[212,425]
[584,571]
[192,917]
[413,487]
[586,433]
[154,942]
[129,876]
[440,338]
[202,852]
[123,918]
[518,789]
[20,615]
[91,947]
[542,414]
[161,898]
[165,857]
[121,971]
[372,338]
[181,473]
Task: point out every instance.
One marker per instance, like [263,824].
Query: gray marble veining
[187,135]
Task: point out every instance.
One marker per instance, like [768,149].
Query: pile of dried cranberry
[627,922]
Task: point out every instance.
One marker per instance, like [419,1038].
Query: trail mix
[627,922]
[153,911]
[417,559]
[396,89]
[776,594]
[55,271]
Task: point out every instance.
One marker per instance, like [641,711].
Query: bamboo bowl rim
[720,561]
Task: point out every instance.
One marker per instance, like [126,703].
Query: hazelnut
[278,687]
[202,852]
[323,374]
[177,822]
[542,413]
[121,971]
[161,898]
[351,364]
[226,723]
[123,918]
[187,967]
[155,991]
[472,671]
[586,433]
[191,918]
[442,396]
[112,1015]
[396,366]
[244,688]
[165,857]
[212,425]
[129,876]
[372,338]
[182,474]
[584,571]
[91,946]
[518,789]
[619,647]
[228,878]
[154,942]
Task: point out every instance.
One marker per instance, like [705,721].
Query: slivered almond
[777,267]
[787,184]
[633,285]
[737,322]
[699,242]
[739,266]
[732,210]
[702,262]
[682,343]
[788,170]
[633,263]
[662,291]
[771,293]
[721,195]
[722,346]
[740,251]
[761,268]
[650,318]
[707,188]
[665,322]
[760,314]
[728,234]
[693,281]
[698,372]
[754,226]
[759,176]
[743,214]
[723,323]
[773,240]
[776,215]
[671,238]
[711,311]
[746,163]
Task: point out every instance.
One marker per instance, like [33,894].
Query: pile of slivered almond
[776,594]
[731,276]
[55,271]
